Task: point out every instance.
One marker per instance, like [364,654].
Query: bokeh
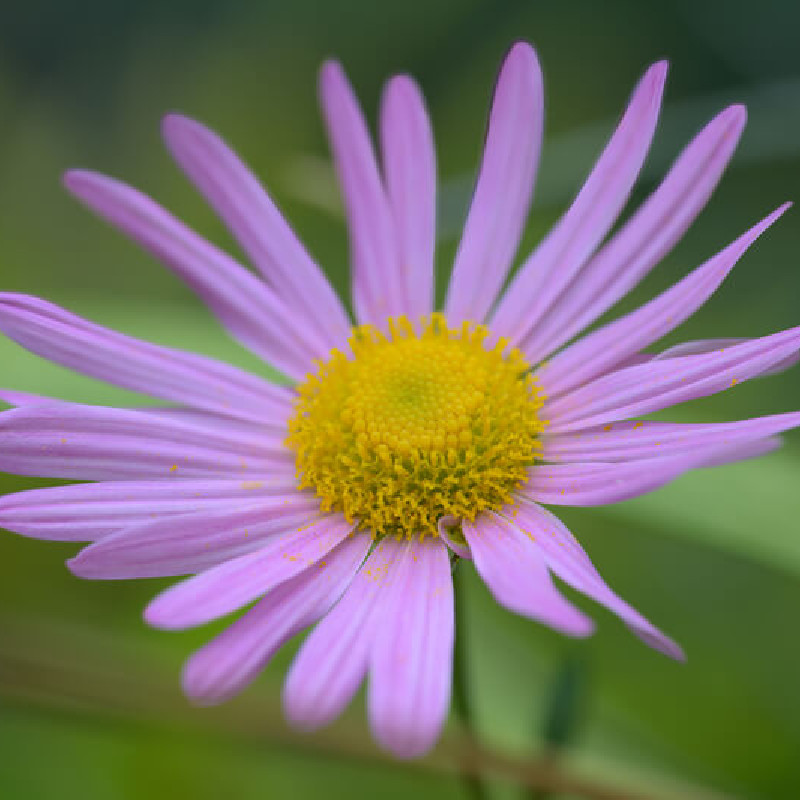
[90,705]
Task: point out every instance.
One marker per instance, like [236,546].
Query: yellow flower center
[416,426]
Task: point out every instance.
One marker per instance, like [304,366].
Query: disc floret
[418,424]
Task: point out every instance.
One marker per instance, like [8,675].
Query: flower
[410,440]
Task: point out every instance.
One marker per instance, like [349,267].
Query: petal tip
[661,643]
[74,178]
[198,684]
[400,85]
[660,68]
[331,70]
[673,651]
[521,55]
[402,747]
[580,627]
[735,115]
[79,567]
[158,615]
[173,123]
[654,80]
[92,563]
[84,183]
[298,714]
[333,87]
[521,48]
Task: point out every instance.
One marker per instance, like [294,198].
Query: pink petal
[238,581]
[642,389]
[90,511]
[706,345]
[503,190]
[271,434]
[701,346]
[15,398]
[412,655]
[604,348]
[189,543]
[645,238]
[249,212]
[558,259]
[409,162]
[69,440]
[743,451]
[566,558]
[247,308]
[181,377]
[594,484]
[443,526]
[378,288]
[516,574]
[233,659]
[624,441]
[695,347]
[333,660]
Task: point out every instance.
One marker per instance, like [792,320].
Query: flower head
[415,428]
[411,437]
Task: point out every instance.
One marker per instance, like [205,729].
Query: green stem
[563,714]
[461,703]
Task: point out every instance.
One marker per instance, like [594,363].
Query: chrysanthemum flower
[410,438]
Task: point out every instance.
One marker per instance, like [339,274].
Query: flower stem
[461,702]
[563,714]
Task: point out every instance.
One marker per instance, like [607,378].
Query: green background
[90,705]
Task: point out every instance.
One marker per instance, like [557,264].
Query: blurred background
[90,704]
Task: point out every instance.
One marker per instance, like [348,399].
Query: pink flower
[410,440]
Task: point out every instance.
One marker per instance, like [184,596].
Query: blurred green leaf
[748,508]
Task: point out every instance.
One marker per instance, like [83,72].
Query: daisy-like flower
[410,438]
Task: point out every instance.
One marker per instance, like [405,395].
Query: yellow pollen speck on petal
[418,424]
[173,468]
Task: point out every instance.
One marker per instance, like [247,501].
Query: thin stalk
[461,694]
[563,714]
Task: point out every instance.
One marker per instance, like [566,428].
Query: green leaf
[750,509]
